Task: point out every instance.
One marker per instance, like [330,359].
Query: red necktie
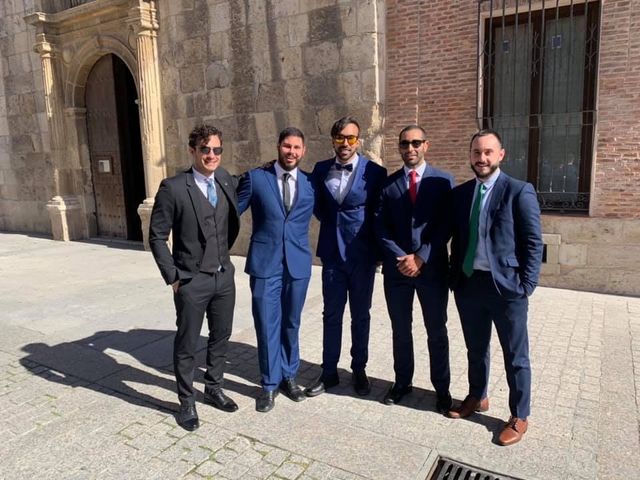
[413,186]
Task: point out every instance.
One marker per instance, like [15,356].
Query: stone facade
[253,67]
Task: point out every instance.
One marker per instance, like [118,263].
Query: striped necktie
[474,223]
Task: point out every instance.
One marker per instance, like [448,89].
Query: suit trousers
[276,304]
[213,295]
[479,303]
[399,292]
[339,280]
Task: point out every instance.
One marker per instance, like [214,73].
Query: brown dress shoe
[513,431]
[468,406]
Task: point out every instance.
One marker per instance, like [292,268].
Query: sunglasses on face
[351,139]
[207,150]
[404,144]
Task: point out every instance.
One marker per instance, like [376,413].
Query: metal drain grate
[447,469]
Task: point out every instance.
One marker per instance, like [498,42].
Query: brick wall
[616,191]
[431,78]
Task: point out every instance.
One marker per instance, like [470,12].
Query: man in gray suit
[200,207]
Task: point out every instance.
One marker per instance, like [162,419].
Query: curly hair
[201,133]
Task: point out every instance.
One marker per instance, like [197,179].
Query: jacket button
[197,264]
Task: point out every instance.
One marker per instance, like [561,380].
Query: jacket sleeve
[244,192]
[528,237]
[159,228]
[383,229]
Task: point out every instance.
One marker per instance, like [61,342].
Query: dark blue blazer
[346,229]
[277,238]
[514,235]
[403,228]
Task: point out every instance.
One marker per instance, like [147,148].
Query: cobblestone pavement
[87,390]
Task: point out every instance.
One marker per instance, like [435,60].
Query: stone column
[68,221]
[144,25]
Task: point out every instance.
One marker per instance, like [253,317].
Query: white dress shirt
[293,181]
[339,182]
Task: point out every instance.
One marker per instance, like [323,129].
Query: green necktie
[474,222]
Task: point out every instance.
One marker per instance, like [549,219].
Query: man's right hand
[175,285]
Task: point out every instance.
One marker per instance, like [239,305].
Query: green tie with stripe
[474,222]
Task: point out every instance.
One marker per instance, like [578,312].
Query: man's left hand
[409,265]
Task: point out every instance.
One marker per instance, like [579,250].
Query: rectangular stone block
[613,256]
[551,238]
[573,254]
[298,30]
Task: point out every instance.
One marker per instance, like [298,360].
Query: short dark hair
[412,127]
[290,132]
[201,133]
[343,122]
[483,133]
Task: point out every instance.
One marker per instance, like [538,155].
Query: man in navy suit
[412,231]
[279,263]
[347,192]
[199,207]
[496,252]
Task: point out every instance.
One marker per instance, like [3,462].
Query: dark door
[115,148]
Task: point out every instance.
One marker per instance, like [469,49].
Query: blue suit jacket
[277,239]
[514,236]
[403,228]
[346,229]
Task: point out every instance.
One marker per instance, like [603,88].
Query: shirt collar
[420,170]
[489,182]
[281,171]
[353,160]
[200,177]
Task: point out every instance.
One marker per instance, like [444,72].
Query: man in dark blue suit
[279,263]
[347,192]
[413,234]
[496,252]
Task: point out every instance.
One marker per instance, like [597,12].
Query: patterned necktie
[286,192]
[413,186]
[212,195]
[474,223]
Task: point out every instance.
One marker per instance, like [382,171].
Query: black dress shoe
[290,388]
[187,417]
[219,400]
[266,401]
[321,385]
[396,393]
[444,403]
[361,383]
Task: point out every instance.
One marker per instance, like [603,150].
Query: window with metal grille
[537,86]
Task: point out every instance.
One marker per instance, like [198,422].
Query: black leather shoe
[290,388]
[219,400]
[361,383]
[396,393]
[444,403]
[321,385]
[266,401]
[187,417]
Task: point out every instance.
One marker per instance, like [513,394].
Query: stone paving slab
[87,389]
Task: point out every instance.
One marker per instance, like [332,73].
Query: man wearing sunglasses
[199,207]
[347,188]
[280,196]
[413,233]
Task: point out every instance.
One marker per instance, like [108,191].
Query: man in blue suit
[496,252]
[279,263]
[347,192]
[412,231]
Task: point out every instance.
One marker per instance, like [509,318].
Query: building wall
[25,179]
[432,80]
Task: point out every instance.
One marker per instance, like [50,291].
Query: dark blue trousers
[399,292]
[276,304]
[480,304]
[339,281]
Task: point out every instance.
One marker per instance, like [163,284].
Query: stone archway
[69,43]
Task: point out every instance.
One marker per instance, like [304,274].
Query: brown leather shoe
[513,431]
[468,406]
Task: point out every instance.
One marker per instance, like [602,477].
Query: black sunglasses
[414,143]
[207,150]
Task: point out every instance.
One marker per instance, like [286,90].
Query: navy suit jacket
[346,229]
[514,236]
[403,228]
[278,239]
[177,209]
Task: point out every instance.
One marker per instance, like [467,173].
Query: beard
[482,175]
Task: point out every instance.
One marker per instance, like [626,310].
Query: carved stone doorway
[117,170]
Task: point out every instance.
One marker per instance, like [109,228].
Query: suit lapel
[223,183]
[401,186]
[467,200]
[272,180]
[195,193]
[358,179]
[497,192]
